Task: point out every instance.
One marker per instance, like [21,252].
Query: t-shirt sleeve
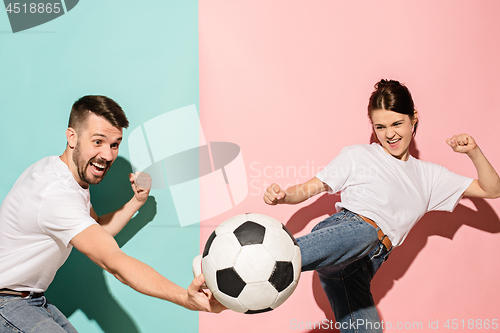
[447,189]
[337,172]
[64,213]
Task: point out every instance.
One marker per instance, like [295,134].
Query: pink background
[289,81]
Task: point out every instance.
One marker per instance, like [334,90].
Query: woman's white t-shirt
[393,193]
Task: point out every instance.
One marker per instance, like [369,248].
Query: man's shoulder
[46,167]
[51,167]
[39,175]
[54,179]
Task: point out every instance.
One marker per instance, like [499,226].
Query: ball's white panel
[230,302]
[254,263]
[197,265]
[283,296]
[297,264]
[266,221]
[279,244]
[231,224]
[209,271]
[224,250]
[257,296]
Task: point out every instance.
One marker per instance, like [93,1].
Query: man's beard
[82,166]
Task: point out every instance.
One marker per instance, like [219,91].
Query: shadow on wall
[442,224]
[79,283]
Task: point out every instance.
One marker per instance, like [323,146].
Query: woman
[384,192]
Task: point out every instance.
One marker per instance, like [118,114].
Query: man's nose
[106,153]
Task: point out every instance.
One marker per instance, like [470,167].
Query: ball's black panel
[229,282]
[208,244]
[282,275]
[289,234]
[258,311]
[250,233]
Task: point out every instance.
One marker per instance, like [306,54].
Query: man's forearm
[144,279]
[114,222]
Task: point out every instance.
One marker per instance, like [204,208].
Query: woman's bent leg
[341,238]
[348,290]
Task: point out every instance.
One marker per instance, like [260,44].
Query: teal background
[144,55]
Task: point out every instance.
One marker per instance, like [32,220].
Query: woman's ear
[415,118]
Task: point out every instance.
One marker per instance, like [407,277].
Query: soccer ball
[251,263]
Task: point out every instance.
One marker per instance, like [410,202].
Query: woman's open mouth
[394,144]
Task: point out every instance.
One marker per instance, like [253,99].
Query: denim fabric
[34,315]
[346,253]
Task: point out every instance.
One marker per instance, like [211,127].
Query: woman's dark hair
[99,105]
[392,95]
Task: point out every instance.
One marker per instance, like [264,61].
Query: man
[48,211]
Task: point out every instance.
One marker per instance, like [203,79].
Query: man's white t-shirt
[393,193]
[44,210]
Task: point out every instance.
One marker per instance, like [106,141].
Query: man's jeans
[36,315]
[346,253]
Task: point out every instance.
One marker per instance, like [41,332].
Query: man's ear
[72,137]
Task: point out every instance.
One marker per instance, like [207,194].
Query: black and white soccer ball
[251,263]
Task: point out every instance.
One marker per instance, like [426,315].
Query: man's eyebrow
[104,136]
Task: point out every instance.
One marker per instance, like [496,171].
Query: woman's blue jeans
[36,315]
[346,253]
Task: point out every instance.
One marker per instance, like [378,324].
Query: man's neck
[66,158]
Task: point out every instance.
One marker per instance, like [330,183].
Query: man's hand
[274,195]
[141,184]
[202,300]
[462,143]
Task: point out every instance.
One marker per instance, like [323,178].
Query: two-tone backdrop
[288,82]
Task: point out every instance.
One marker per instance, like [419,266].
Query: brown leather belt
[20,293]
[381,236]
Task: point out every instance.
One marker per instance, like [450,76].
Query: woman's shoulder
[427,169]
[363,149]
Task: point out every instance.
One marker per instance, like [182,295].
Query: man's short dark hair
[99,105]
